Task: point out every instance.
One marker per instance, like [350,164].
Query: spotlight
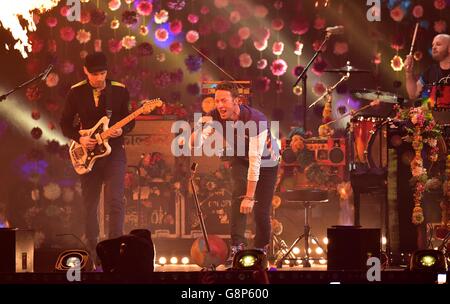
[250,259]
[173,260]
[73,258]
[185,260]
[162,261]
[428,260]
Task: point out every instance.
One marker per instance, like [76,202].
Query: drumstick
[414,39]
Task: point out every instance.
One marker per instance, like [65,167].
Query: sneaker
[233,250]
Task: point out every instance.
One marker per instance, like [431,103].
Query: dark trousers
[261,209]
[109,171]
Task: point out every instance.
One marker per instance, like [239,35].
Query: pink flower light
[278,67]
[192,36]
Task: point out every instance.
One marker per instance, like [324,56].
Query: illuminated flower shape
[221,3]
[114,5]
[397,14]
[440,4]
[64,10]
[397,63]
[278,5]
[440,26]
[278,67]
[418,55]
[67,33]
[319,66]
[262,84]
[277,48]
[377,58]
[98,17]
[244,32]
[67,67]
[221,24]
[176,5]
[129,18]
[417,11]
[83,36]
[245,60]
[204,28]
[35,115]
[129,1]
[319,88]
[340,48]
[176,26]
[260,34]
[51,46]
[68,194]
[316,45]
[161,34]
[161,17]
[115,24]
[192,18]
[143,30]
[144,8]
[176,47]
[260,45]
[193,63]
[192,36]
[51,21]
[36,133]
[52,80]
[114,45]
[299,26]
[52,191]
[277,24]
[83,54]
[235,17]
[161,57]
[129,42]
[144,49]
[319,23]
[261,64]
[85,17]
[260,11]
[298,50]
[221,45]
[235,41]
[37,44]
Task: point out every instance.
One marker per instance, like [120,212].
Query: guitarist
[87,102]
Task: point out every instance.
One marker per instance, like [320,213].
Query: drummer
[437,72]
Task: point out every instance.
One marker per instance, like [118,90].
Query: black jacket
[80,111]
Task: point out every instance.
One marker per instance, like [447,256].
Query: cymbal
[347,69]
[366,94]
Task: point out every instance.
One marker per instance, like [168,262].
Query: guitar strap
[108,99]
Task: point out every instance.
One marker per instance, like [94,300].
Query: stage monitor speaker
[349,247]
[17,250]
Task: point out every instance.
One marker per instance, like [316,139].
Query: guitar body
[82,159]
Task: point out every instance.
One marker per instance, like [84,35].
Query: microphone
[46,72]
[335,30]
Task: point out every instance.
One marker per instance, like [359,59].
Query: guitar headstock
[149,105]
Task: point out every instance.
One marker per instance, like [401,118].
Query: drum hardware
[347,69]
[331,89]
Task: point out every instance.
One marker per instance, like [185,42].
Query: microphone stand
[303,76]
[41,75]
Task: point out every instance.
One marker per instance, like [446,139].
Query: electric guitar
[83,159]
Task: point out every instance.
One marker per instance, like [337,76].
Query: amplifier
[329,151]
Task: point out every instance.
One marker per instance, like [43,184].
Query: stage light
[173,260]
[74,258]
[428,260]
[319,250]
[384,240]
[162,261]
[322,261]
[309,250]
[250,259]
[325,240]
[185,260]
[295,250]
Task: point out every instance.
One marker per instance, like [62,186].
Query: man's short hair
[228,86]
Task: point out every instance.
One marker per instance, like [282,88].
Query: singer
[88,101]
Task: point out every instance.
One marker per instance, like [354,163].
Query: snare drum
[369,141]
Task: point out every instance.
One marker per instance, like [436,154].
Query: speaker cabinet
[17,250]
[349,247]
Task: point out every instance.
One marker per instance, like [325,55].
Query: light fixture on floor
[250,259]
[428,260]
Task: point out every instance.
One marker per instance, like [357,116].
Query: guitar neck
[106,134]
